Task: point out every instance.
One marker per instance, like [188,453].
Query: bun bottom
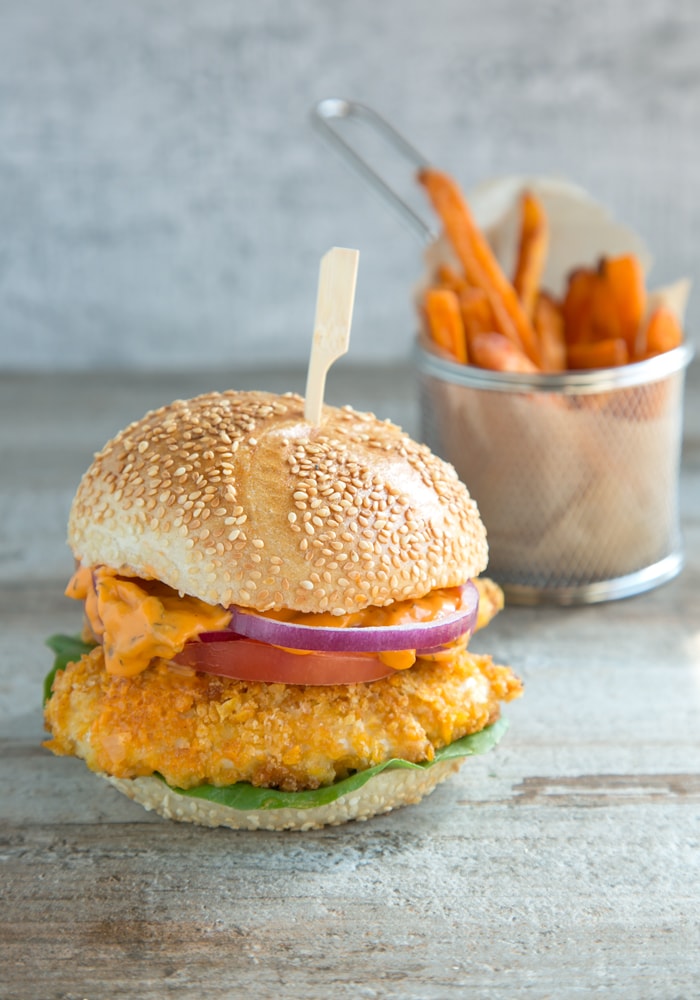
[385,791]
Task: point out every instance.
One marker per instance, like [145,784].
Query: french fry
[494,351]
[663,332]
[444,320]
[447,277]
[477,314]
[607,303]
[608,353]
[549,326]
[624,280]
[605,320]
[480,265]
[532,252]
[578,306]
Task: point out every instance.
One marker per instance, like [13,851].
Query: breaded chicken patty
[194,728]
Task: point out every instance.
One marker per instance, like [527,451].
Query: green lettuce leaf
[246,796]
[68,649]
[243,795]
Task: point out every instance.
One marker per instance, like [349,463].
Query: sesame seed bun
[382,793]
[233,498]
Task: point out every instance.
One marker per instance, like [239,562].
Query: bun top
[234,498]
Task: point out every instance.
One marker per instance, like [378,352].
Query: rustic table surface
[565,863]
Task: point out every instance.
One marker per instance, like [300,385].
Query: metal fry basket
[576,475]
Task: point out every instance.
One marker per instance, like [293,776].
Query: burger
[276,617]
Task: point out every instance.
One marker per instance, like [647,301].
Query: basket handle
[328,113]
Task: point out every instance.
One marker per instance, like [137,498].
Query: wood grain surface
[564,864]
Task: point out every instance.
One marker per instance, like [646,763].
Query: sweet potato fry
[444,320]
[605,318]
[477,314]
[493,350]
[480,265]
[578,306]
[607,303]
[608,353]
[624,281]
[447,277]
[532,252]
[549,326]
[663,332]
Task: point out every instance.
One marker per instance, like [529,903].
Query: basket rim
[567,383]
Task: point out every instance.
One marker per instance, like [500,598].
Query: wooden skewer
[334,305]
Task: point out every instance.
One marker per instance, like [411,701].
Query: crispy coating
[194,728]
[491,600]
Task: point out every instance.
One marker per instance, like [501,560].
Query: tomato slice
[249,660]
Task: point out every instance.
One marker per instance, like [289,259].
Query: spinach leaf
[68,649]
[246,796]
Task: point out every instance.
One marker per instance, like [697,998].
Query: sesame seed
[360,518]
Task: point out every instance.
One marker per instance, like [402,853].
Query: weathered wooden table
[563,864]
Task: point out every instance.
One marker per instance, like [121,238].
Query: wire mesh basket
[575,475]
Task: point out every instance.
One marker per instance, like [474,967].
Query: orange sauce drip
[420,609]
[137,620]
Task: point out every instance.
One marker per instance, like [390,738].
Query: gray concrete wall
[164,201]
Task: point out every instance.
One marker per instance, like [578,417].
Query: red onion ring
[375,639]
